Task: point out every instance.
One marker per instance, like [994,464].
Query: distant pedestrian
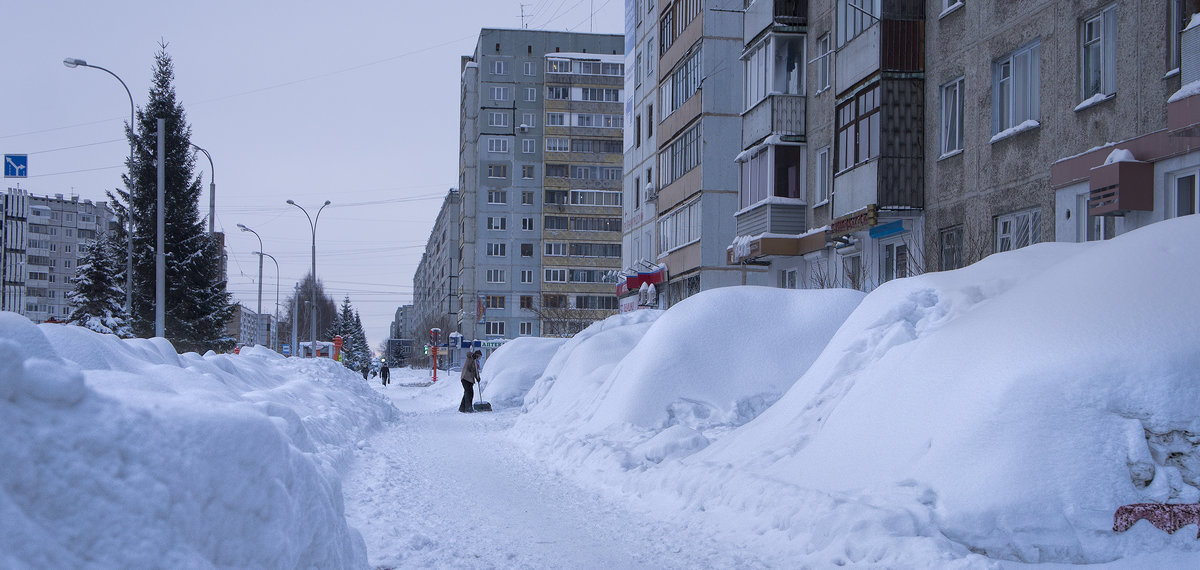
[385,374]
[364,371]
[470,376]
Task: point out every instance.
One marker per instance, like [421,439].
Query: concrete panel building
[504,131]
[435,302]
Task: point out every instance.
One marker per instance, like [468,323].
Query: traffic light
[427,349]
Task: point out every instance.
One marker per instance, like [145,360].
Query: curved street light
[312,223]
[276,329]
[212,189]
[260,263]
[72,63]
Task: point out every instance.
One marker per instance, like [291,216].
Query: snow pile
[998,412]
[646,386]
[125,454]
[517,365]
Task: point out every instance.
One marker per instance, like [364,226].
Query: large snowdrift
[125,454]
[999,412]
[644,386]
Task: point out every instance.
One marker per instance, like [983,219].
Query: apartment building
[44,237]
[435,302]
[582,198]
[504,132]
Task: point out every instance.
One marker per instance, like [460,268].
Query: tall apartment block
[680,183]
[435,300]
[535,116]
[44,237]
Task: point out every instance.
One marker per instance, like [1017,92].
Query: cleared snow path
[440,489]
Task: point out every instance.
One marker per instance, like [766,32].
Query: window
[526,328]
[558,144]
[823,67]
[590,276]
[499,93]
[649,121]
[497,144]
[558,93]
[787,279]
[951,242]
[679,228]
[586,224]
[526,250]
[775,170]
[497,171]
[822,175]
[500,67]
[556,196]
[555,223]
[775,65]
[527,197]
[527,171]
[494,276]
[554,301]
[1015,88]
[854,17]
[493,302]
[528,119]
[650,57]
[952,119]
[556,119]
[596,146]
[497,223]
[556,171]
[526,276]
[1185,195]
[529,68]
[858,128]
[895,261]
[531,93]
[852,271]
[497,196]
[1179,13]
[600,94]
[497,249]
[637,131]
[596,302]
[558,66]
[1098,52]
[596,197]
[556,276]
[529,146]
[599,120]
[681,156]
[527,223]
[1017,230]
[494,328]
[637,68]
[595,250]
[682,84]
[556,249]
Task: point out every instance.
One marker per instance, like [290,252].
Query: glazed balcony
[777,114]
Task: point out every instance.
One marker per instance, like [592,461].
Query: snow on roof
[1186,91]
[1120,155]
[601,57]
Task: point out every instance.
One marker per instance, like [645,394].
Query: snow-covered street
[440,489]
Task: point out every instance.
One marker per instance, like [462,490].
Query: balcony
[1121,187]
[772,216]
[777,114]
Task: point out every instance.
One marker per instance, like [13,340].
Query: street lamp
[312,224]
[275,331]
[260,263]
[212,189]
[72,62]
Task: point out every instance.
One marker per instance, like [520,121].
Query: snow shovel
[481,406]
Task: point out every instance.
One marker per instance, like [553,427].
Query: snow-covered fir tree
[347,325]
[97,297]
[197,303]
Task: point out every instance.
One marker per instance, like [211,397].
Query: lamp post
[72,62]
[276,329]
[212,189]
[312,224]
[260,264]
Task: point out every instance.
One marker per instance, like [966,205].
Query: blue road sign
[286,350]
[16,165]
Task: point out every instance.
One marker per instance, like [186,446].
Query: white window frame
[494,276]
[1018,229]
[494,328]
[528,146]
[498,223]
[531,93]
[853,22]
[555,275]
[526,328]
[556,119]
[497,119]
[824,174]
[529,119]
[556,248]
[526,276]
[1177,190]
[498,144]
[500,67]
[1016,85]
[530,69]
[558,144]
[527,224]
[890,258]
[528,169]
[1098,54]
[497,249]
[501,195]
[950,101]
[499,93]
[788,279]
[823,61]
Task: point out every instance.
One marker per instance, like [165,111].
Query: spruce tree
[98,297]
[361,346]
[197,304]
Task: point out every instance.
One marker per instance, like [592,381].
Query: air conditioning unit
[523,128]
[651,191]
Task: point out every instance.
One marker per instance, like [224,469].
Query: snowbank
[127,454]
[1000,412]
[517,365]
[646,386]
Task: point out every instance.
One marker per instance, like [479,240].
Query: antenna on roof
[524,26]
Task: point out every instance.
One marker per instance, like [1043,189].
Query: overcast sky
[353,102]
